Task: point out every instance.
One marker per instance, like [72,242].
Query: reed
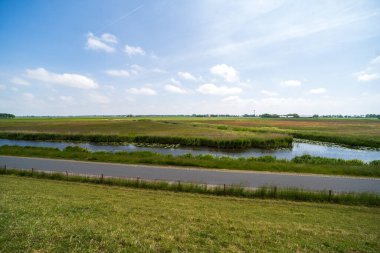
[236,143]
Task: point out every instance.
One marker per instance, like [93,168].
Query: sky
[193,56]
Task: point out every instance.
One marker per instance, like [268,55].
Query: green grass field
[53,216]
[139,130]
[352,132]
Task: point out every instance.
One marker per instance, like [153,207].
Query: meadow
[301,164]
[350,132]
[231,132]
[39,215]
[137,130]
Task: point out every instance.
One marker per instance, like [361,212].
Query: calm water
[299,148]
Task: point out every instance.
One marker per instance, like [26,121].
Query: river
[299,148]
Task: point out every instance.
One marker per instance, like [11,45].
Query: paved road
[209,176]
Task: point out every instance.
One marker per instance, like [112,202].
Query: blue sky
[184,57]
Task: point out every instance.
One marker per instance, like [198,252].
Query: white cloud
[66,98]
[28,96]
[118,72]
[376,60]
[142,91]
[233,99]
[158,70]
[98,98]
[186,76]
[109,87]
[318,91]
[291,83]
[269,93]
[175,89]
[364,76]
[227,72]
[136,69]
[173,80]
[110,38]
[19,81]
[212,89]
[131,50]
[280,33]
[235,102]
[70,80]
[3,87]
[101,44]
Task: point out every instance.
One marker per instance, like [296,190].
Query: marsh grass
[138,131]
[229,143]
[349,132]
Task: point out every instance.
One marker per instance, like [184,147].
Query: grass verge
[55,216]
[302,164]
[369,199]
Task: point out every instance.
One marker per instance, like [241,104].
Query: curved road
[195,175]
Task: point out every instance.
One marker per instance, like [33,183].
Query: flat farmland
[355,132]
[140,130]
[351,132]
[124,127]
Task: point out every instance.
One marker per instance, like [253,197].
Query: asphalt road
[195,175]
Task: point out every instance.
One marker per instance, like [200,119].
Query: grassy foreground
[302,164]
[53,216]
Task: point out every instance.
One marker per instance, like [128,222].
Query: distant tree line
[211,115]
[347,116]
[289,115]
[372,116]
[6,116]
[265,115]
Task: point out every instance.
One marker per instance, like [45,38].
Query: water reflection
[299,148]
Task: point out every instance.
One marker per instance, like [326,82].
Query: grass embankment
[51,216]
[293,194]
[139,131]
[350,132]
[303,164]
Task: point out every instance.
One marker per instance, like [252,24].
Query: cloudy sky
[183,57]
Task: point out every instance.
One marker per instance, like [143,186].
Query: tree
[6,116]
[267,115]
